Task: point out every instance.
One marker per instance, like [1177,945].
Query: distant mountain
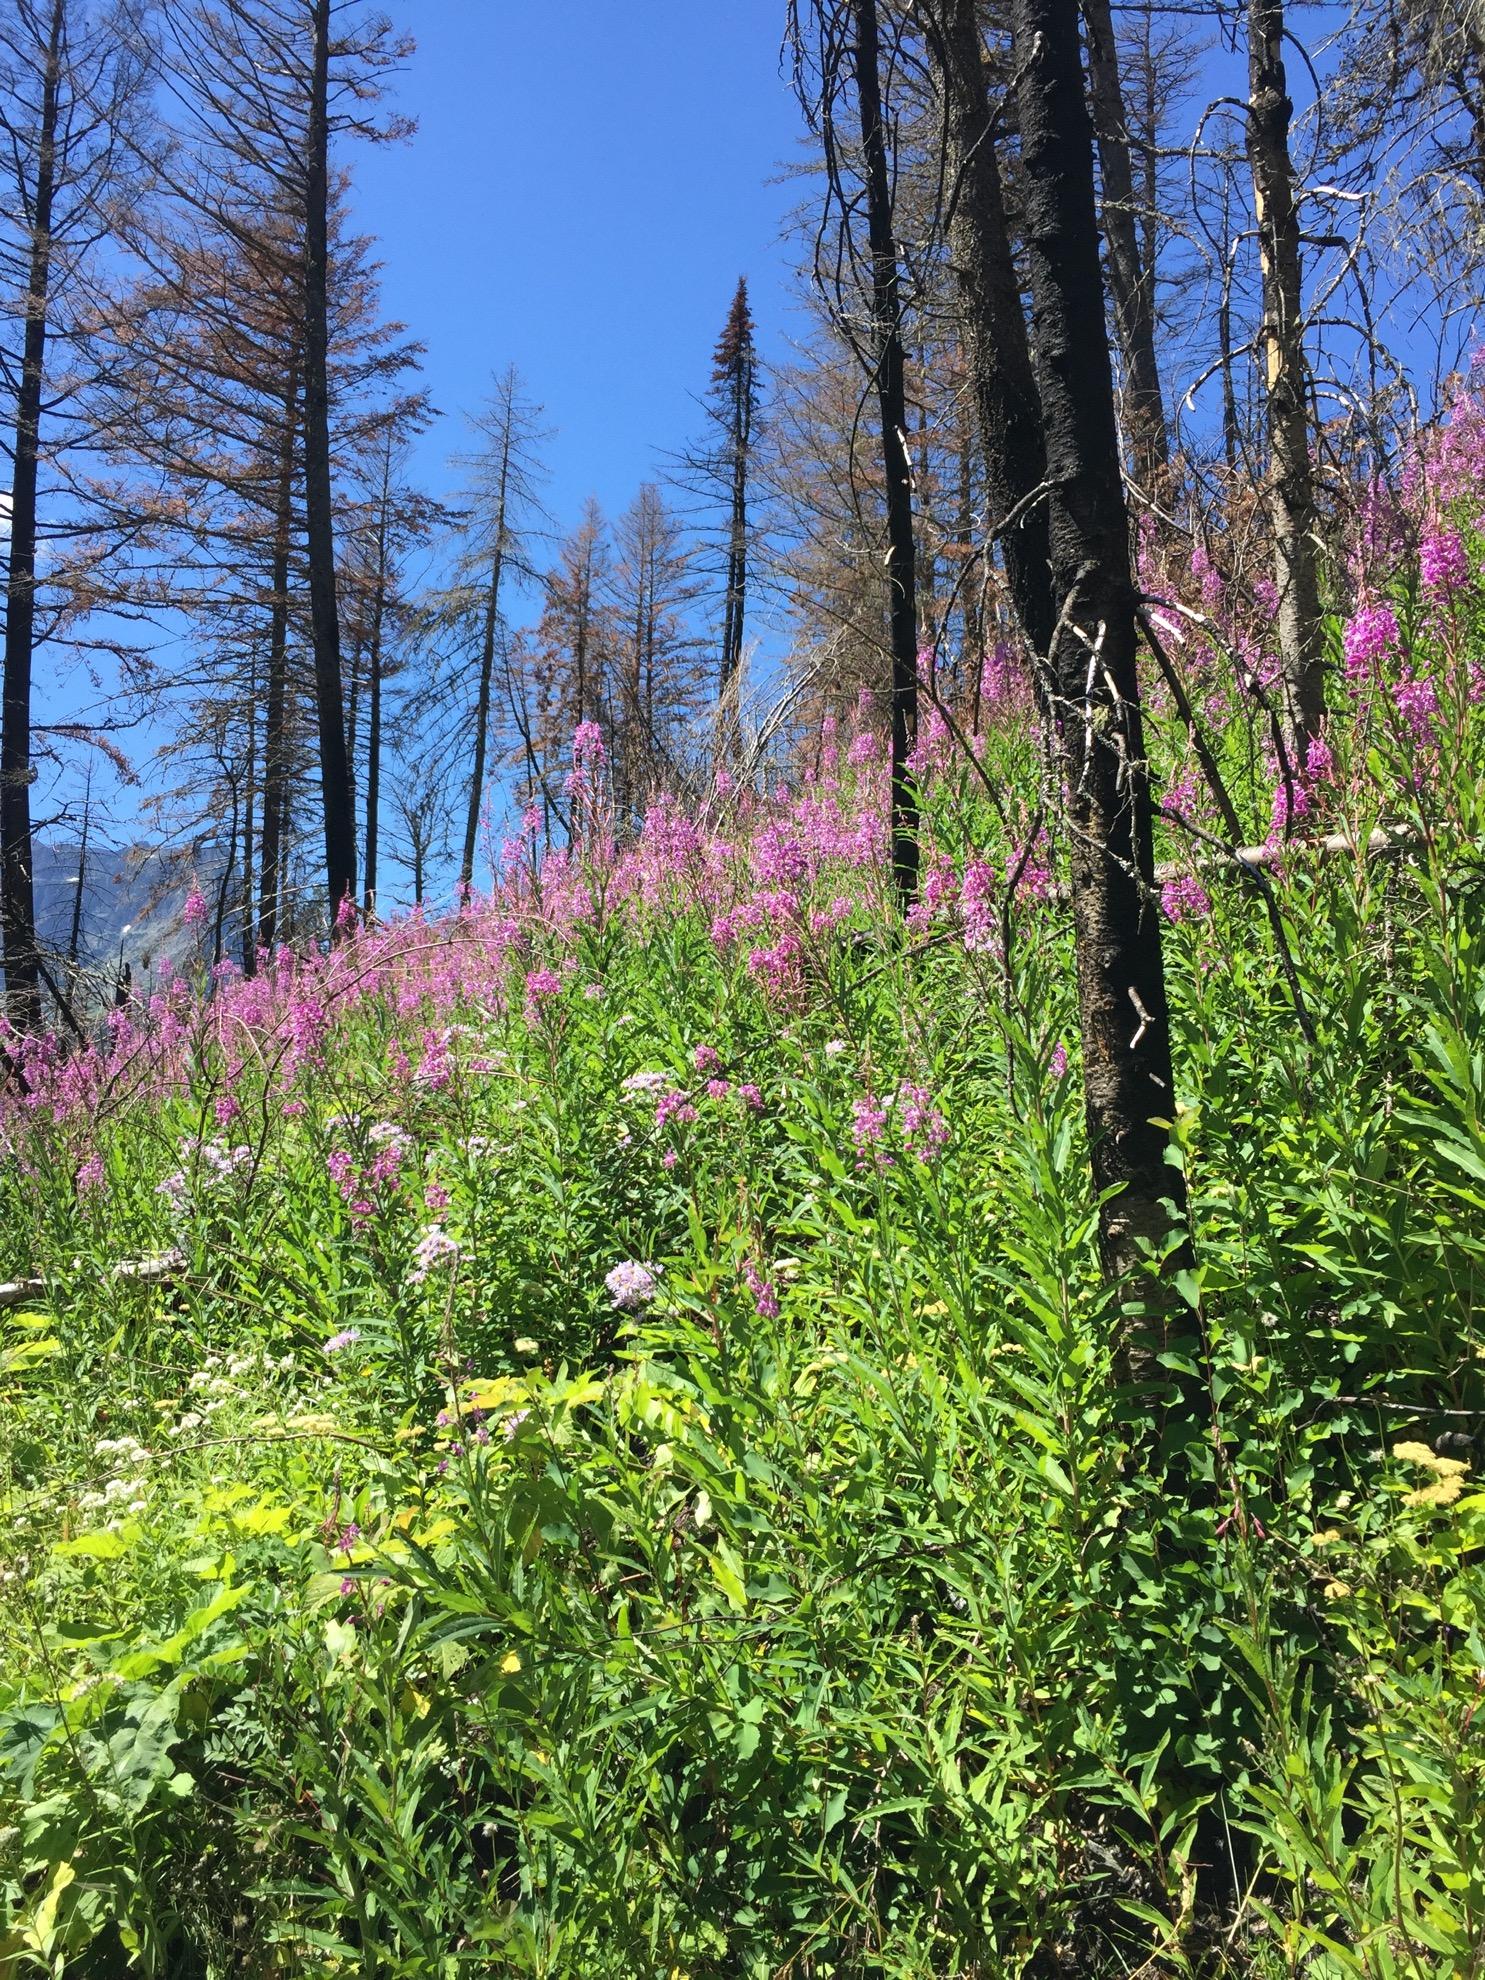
[132,901]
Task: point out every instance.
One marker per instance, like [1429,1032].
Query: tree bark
[1131,274]
[1291,483]
[17,888]
[1123,1017]
[275,709]
[487,677]
[374,702]
[902,605]
[992,325]
[335,779]
[74,939]
[249,827]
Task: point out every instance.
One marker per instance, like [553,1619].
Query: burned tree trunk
[17,889]
[1131,274]
[486,681]
[1291,481]
[991,323]
[335,773]
[888,370]
[276,700]
[1122,1009]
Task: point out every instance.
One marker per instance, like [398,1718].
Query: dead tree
[991,322]
[1131,274]
[1123,1017]
[1290,479]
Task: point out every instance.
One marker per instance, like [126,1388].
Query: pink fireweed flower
[1371,635]
[718,1089]
[193,914]
[1179,799]
[631,1285]
[1319,761]
[751,1096]
[226,1107]
[90,1175]
[1181,899]
[1418,704]
[1291,803]
[868,1131]
[1057,1064]
[765,1298]
[588,746]
[1443,562]
[924,1128]
[541,986]
[309,1024]
[706,1058]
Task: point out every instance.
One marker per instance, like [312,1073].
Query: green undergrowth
[833,1610]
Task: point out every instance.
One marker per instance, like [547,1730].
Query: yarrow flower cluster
[631,1285]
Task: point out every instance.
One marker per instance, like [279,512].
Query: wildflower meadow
[585,1434]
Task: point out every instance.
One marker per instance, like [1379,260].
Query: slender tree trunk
[902,604]
[224,885]
[335,778]
[737,539]
[992,324]
[374,712]
[972,642]
[1131,279]
[1291,484]
[17,888]
[275,712]
[737,558]
[249,828]
[487,677]
[1122,1009]
[355,673]
[74,939]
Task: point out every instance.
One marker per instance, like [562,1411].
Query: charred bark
[487,677]
[889,379]
[992,324]
[1290,480]
[1131,273]
[1123,1016]
[276,696]
[17,887]
[335,777]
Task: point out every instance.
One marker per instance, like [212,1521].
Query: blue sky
[587,183]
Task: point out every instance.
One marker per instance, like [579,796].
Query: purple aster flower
[631,1286]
